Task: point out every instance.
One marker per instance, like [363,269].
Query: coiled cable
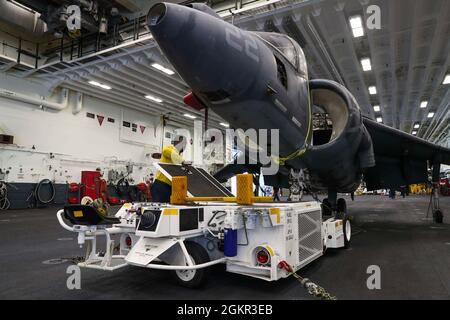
[4,201]
[38,189]
[35,197]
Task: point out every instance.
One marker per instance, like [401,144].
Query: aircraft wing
[401,158]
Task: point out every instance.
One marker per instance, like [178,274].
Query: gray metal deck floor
[413,254]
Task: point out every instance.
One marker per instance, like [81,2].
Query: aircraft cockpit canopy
[290,49]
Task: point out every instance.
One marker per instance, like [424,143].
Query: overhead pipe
[78,104]
[64,99]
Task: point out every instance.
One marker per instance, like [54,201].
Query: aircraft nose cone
[197,45]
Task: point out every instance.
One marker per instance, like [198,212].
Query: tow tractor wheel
[196,277]
[347,226]
[326,207]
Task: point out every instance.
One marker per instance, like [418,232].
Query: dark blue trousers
[161,192]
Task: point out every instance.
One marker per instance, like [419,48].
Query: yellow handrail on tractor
[244,192]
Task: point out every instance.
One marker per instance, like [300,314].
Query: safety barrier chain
[312,288]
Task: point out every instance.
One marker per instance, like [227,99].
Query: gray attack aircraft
[260,80]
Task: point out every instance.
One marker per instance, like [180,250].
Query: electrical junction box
[291,232]
[6,139]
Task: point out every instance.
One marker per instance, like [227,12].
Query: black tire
[341,205]
[346,223]
[326,207]
[198,277]
[438,216]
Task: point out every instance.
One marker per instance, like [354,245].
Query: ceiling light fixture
[223,124]
[190,116]
[379,119]
[366,64]
[159,67]
[430,115]
[423,104]
[373,90]
[149,97]
[100,85]
[376,108]
[357,27]
[446,79]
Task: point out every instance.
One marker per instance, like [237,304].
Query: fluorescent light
[430,115]
[376,108]
[379,119]
[190,116]
[373,90]
[366,65]
[446,79]
[357,27]
[414,132]
[417,126]
[162,68]
[100,85]
[223,124]
[423,104]
[149,97]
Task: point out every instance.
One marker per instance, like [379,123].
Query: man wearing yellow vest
[162,187]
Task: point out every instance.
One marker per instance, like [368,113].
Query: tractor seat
[87,216]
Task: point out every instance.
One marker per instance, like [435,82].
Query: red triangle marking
[100,119]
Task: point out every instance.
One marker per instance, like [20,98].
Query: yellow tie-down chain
[312,288]
[282,160]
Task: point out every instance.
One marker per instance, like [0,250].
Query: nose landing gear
[339,209]
[297,183]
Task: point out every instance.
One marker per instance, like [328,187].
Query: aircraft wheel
[193,278]
[438,216]
[326,207]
